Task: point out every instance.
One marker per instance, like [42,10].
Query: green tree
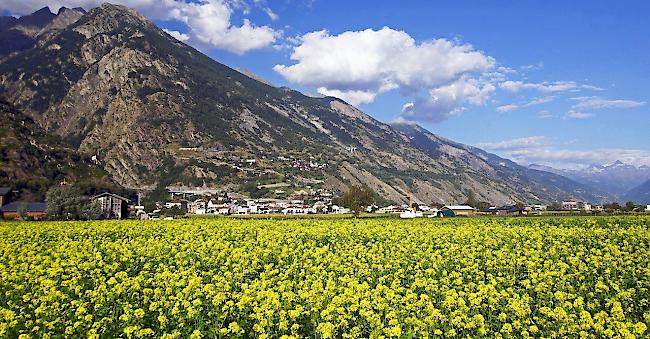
[358,197]
[22,211]
[471,199]
[174,212]
[69,203]
[629,206]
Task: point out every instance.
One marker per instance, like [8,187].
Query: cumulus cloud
[577,115]
[208,22]
[359,65]
[446,101]
[600,103]
[548,87]
[533,102]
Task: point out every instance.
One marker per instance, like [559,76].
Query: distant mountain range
[156,112]
[618,178]
[19,34]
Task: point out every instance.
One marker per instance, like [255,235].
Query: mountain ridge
[639,194]
[18,34]
[158,112]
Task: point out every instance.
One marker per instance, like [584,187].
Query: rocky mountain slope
[538,185]
[32,160]
[158,112]
[617,178]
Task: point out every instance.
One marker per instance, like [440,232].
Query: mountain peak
[66,9]
[43,11]
[617,163]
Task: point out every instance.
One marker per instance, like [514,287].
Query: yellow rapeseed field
[562,277]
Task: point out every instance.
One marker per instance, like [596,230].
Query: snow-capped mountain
[617,178]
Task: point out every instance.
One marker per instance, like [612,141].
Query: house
[572,205]
[33,210]
[196,207]
[217,208]
[391,209]
[459,210]
[113,206]
[339,210]
[647,208]
[537,207]
[5,195]
[299,209]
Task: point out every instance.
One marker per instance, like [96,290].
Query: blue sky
[562,83]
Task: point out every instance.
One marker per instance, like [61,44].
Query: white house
[391,209]
[294,210]
[571,205]
[339,210]
[647,208]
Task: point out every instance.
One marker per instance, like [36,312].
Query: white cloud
[533,67]
[177,35]
[363,64]
[533,102]
[567,159]
[548,87]
[541,150]
[507,108]
[600,103]
[519,143]
[356,98]
[208,21]
[446,101]
[271,14]
[376,60]
[577,115]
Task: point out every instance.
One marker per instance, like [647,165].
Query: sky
[559,83]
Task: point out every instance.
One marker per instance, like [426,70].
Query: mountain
[19,34]
[31,160]
[639,194]
[616,178]
[158,112]
[538,185]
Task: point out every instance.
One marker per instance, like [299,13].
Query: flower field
[561,277]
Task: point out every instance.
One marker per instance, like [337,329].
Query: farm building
[113,206]
[460,210]
[17,210]
[5,195]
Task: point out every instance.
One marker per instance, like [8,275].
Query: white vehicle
[410,215]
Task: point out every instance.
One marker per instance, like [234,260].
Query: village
[200,202]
